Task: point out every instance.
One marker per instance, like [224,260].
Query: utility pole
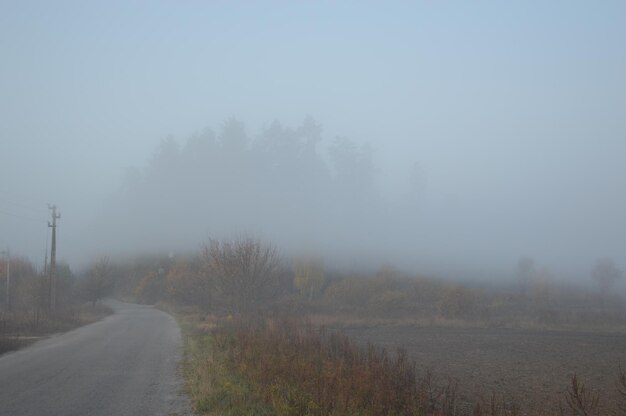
[8,254]
[45,259]
[53,254]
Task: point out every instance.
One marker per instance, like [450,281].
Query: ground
[532,368]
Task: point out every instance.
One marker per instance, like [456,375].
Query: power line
[31,207]
[22,217]
[25,198]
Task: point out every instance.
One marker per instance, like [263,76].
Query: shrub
[245,272]
[457,302]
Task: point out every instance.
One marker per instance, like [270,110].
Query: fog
[442,138]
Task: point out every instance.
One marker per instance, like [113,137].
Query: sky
[515,111]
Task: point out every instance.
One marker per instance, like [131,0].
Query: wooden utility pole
[53,254]
[8,254]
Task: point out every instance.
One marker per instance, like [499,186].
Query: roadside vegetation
[290,367]
[25,312]
[263,335]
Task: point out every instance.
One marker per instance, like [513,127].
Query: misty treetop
[309,194]
[277,183]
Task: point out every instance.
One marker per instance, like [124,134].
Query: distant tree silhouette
[525,273]
[605,273]
[200,146]
[353,166]
[98,281]
[166,157]
[309,277]
[276,181]
[186,284]
[233,137]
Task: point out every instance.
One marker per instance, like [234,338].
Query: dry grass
[580,401]
[214,386]
[291,367]
[302,371]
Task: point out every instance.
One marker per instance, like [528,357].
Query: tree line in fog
[281,184]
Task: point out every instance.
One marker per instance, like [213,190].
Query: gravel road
[125,364]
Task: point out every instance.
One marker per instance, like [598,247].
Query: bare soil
[530,368]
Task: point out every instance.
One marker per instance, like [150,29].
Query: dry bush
[436,398]
[457,302]
[621,390]
[389,300]
[23,290]
[245,271]
[300,370]
[28,312]
[580,401]
[294,368]
[309,276]
[187,285]
[495,405]
[352,292]
[98,281]
[151,288]
[381,295]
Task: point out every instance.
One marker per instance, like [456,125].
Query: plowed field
[531,368]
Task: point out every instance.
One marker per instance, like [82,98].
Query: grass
[289,367]
[212,383]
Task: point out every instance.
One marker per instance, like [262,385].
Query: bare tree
[606,273]
[244,270]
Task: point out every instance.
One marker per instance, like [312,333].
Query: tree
[233,137]
[525,272]
[245,272]
[311,132]
[201,146]
[22,273]
[353,166]
[152,286]
[309,276]
[186,285]
[165,160]
[606,273]
[98,282]
[65,283]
